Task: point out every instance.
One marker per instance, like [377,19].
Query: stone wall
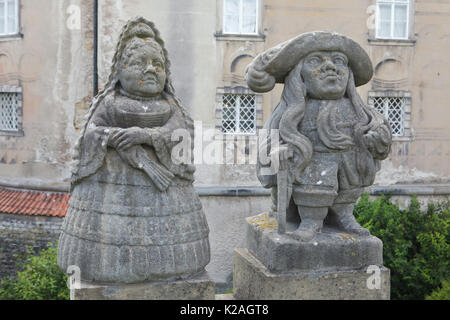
[17,232]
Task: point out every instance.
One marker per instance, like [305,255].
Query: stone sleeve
[163,143]
[94,142]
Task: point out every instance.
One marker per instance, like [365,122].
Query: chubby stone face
[142,68]
[325,74]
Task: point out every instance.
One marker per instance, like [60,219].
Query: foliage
[38,278]
[416,246]
[442,293]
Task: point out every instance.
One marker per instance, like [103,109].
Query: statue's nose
[329,65]
[150,68]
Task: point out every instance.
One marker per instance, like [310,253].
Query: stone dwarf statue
[134,215]
[332,141]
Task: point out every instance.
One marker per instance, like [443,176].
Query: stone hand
[369,140]
[123,139]
[284,153]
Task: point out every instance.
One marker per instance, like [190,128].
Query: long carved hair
[291,110]
[136,27]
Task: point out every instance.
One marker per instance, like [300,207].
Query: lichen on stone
[263,221]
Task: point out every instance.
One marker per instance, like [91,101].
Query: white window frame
[392,3]
[241,18]
[16,27]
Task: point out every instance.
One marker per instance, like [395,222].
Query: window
[239,113]
[392,19]
[240,16]
[395,106]
[10,109]
[9,17]
[393,110]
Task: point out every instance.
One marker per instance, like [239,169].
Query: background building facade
[48,54]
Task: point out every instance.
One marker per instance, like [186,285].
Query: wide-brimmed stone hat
[273,65]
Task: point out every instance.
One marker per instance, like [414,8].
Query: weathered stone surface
[328,250]
[198,288]
[325,144]
[253,281]
[134,215]
[322,149]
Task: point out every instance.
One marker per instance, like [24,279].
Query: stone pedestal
[332,265]
[253,281]
[201,287]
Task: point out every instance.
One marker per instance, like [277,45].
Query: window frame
[241,19]
[406,110]
[237,111]
[17,19]
[17,90]
[237,90]
[392,3]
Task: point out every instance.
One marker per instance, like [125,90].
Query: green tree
[38,278]
[442,293]
[416,246]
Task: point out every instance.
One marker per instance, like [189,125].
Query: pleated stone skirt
[119,228]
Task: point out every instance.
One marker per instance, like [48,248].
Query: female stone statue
[335,140]
[134,215]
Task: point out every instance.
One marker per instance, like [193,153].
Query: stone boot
[341,216]
[311,222]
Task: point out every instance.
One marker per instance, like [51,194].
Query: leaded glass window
[238,113]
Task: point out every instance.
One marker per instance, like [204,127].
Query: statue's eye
[157,64]
[339,60]
[314,60]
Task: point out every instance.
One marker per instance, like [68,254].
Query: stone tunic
[120,227]
[330,168]
[332,175]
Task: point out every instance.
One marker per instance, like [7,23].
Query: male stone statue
[334,142]
[326,149]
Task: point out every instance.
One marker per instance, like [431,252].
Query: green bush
[38,278]
[442,293]
[416,246]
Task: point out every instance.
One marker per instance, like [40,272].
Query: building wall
[53,64]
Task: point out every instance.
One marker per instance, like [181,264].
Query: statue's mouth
[149,79]
[330,76]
